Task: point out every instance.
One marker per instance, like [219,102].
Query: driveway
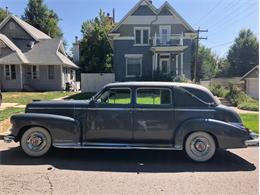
[127,172]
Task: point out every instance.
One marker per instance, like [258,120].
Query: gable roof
[16,57]
[256,68]
[156,11]
[34,32]
[141,2]
[46,52]
[175,13]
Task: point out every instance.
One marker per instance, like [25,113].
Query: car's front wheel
[36,141]
[200,146]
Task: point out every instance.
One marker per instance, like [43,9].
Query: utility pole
[197,50]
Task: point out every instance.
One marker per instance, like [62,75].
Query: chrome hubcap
[200,146]
[36,141]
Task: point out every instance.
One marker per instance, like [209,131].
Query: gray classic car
[133,115]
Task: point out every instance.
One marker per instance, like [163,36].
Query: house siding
[126,47]
[127,30]
[165,12]
[17,33]
[143,10]
[10,85]
[43,83]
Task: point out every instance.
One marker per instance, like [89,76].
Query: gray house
[148,41]
[31,60]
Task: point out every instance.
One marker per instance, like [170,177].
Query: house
[31,60]
[150,41]
[251,79]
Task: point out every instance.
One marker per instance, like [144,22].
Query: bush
[218,90]
[158,76]
[242,100]
[253,106]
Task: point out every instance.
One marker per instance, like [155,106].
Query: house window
[35,72]
[133,65]
[71,75]
[10,72]
[142,35]
[51,72]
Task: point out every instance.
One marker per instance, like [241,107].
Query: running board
[117,146]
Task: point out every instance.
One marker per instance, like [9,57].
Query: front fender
[62,128]
[226,135]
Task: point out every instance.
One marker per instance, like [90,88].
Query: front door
[165,65]
[109,119]
[153,116]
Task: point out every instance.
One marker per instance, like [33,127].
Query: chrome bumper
[9,138]
[254,141]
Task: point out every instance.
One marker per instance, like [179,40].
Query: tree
[243,54]
[2,14]
[38,15]
[95,50]
[206,64]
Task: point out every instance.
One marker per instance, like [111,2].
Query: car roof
[156,84]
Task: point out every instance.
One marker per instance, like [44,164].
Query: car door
[153,116]
[110,117]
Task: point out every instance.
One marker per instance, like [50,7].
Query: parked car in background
[134,115]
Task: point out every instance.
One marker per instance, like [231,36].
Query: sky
[222,18]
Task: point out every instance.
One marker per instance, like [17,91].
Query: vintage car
[133,115]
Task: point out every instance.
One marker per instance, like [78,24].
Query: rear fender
[225,134]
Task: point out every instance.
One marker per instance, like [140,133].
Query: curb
[4,134]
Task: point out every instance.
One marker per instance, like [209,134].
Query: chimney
[150,1]
[113,15]
[75,50]
[6,11]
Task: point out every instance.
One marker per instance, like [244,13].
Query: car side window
[154,96]
[115,96]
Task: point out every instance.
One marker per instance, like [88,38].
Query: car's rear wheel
[200,146]
[36,141]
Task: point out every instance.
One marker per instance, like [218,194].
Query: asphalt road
[127,172]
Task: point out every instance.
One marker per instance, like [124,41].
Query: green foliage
[96,53]
[38,15]
[158,76]
[241,100]
[243,54]
[2,14]
[218,90]
[207,64]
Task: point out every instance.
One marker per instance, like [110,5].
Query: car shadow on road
[128,161]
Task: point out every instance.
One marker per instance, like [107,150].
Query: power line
[214,8]
[221,44]
[209,12]
[232,22]
[231,13]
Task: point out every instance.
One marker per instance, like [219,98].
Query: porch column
[177,65]
[156,61]
[21,76]
[181,64]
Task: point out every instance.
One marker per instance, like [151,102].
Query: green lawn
[251,121]
[27,97]
[6,113]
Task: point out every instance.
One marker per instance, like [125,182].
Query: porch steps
[225,101]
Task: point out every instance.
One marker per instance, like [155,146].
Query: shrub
[242,100]
[253,106]
[218,90]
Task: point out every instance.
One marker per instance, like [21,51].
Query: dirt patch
[5,125]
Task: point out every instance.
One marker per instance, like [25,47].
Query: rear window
[203,95]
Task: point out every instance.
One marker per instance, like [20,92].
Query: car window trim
[164,88]
[108,88]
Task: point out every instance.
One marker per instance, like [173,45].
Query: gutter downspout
[156,61]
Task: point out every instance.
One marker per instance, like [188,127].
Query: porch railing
[168,39]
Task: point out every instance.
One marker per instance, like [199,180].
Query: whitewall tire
[36,141]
